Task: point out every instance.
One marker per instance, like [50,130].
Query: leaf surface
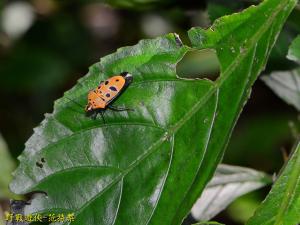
[148,166]
[282,205]
[243,42]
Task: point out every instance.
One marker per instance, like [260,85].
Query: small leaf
[228,183]
[294,50]
[282,205]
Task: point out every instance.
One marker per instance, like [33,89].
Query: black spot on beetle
[117,80]
[108,95]
[113,88]
[106,82]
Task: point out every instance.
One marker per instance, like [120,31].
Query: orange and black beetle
[106,93]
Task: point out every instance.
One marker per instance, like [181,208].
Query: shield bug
[106,93]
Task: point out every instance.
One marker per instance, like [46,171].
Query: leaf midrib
[152,149]
[126,171]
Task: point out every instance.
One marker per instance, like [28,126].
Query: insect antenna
[81,106]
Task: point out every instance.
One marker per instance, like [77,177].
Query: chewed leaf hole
[199,64]
[40,165]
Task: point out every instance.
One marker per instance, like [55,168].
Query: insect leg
[94,115]
[102,115]
[114,108]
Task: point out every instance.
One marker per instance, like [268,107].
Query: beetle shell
[107,91]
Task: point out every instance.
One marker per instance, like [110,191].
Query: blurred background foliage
[46,45]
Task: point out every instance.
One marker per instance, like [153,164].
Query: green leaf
[282,205]
[243,42]
[228,183]
[148,166]
[286,84]
[294,50]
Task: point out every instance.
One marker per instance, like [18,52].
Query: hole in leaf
[38,164]
[199,64]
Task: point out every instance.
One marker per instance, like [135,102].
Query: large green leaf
[228,183]
[282,205]
[148,166]
[243,42]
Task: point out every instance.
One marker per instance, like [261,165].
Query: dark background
[59,40]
